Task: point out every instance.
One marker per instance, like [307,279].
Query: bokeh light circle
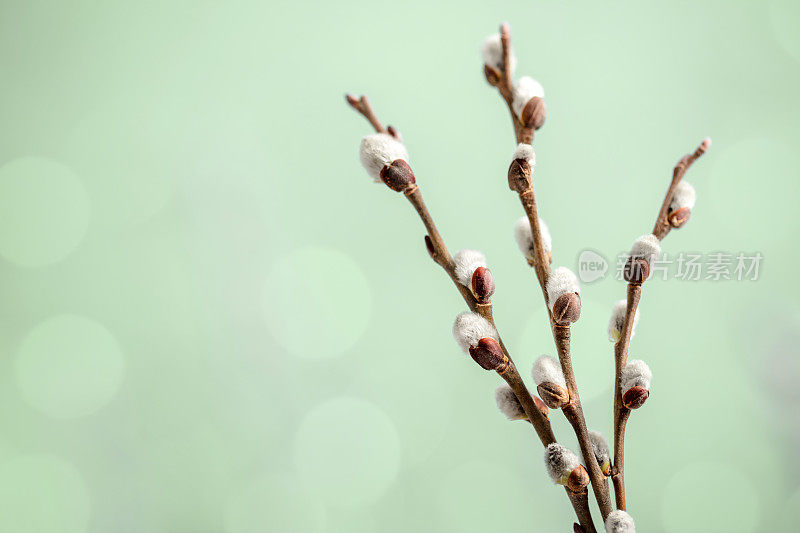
[43,494]
[347,451]
[69,366]
[328,291]
[45,211]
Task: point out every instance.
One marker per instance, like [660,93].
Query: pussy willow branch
[541,264]
[661,228]
[505,86]
[440,254]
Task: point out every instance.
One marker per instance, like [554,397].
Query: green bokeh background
[213,322]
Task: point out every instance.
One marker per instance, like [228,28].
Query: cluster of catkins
[386,159]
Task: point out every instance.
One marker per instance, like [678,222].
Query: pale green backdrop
[213,322]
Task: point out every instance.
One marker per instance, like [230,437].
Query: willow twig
[541,265]
[661,229]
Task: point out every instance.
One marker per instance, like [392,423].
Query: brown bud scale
[553,395]
[489,355]
[637,270]
[578,479]
[482,284]
[679,217]
[492,75]
[533,113]
[635,397]
[398,175]
[519,176]
[567,308]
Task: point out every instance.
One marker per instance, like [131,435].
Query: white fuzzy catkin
[492,52]
[684,196]
[379,150]
[560,462]
[635,374]
[562,281]
[525,89]
[526,152]
[524,236]
[548,369]
[599,447]
[617,320]
[508,403]
[471,327]
[619,522]
[647,247]
[466,262]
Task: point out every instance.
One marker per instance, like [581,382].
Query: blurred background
[213,322]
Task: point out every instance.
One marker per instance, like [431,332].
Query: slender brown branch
[541,265]
[580,502]
[621,412]
[573,411]
[363,106]
[505,86]
[662,225]
[661,229]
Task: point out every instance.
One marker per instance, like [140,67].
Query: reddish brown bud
[391,130]
[398,175]
[553,395]
[533,113]
[578,479]
[540,405]
[637,270]
[492,75]
[567,309]
[679,217]
[519,176]
[635,397]
[429,247]
[489,355]
[482,284]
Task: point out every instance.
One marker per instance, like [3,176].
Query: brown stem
[621,416]
[505,86]
[621,413]
[541,265]
[661,228]
[580,502]
[441,256]
[662,225]
[574,414]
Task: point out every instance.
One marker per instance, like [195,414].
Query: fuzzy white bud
[635,374]
[560,462]
[525,89]
[379,150]
[466,261]
[562,281]
[526,153]
[684,196]
[469,328]
[492,52]
[547,369]
[619,522]
[617,321]
[647,247]
[508,403]
[600,449]
[524,237]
